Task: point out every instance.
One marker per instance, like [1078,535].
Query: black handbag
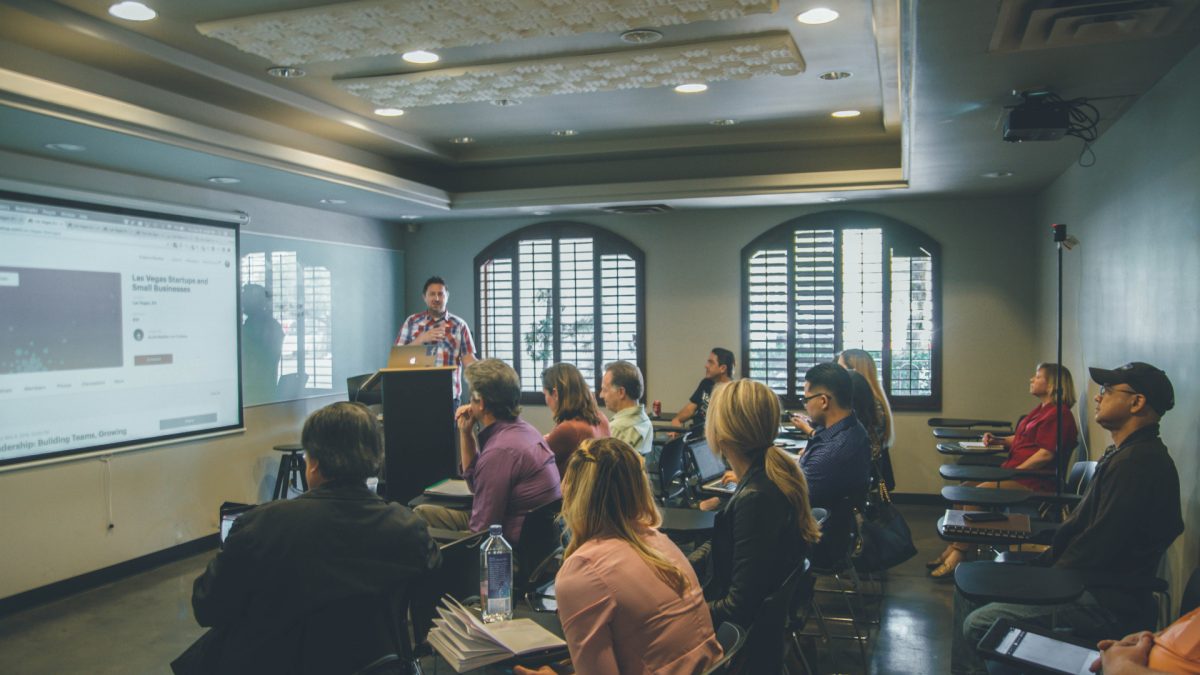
[884,538]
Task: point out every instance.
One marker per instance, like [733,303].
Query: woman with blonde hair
[1031,446]
[763,532]
[576,415]
[628,599]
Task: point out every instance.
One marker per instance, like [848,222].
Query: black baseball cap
[1145,379]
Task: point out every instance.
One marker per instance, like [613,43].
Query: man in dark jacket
[309,585]
[1128,518]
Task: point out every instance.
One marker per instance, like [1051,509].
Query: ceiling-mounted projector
[1041,116]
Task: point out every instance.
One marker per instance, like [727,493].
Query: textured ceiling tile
[371,28]
[714,61]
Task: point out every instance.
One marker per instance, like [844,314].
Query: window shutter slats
[814,318]
[767,332]
[496,308]
[619,308]
[535,265]
[912,325]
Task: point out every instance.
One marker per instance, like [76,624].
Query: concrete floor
[139,624]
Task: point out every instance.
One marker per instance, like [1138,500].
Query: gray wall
[1132,289]
[693,301]
[55,523]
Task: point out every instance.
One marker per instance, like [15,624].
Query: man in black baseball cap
[1144,379]
[1129,516]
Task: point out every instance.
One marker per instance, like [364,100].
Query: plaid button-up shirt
[450,350]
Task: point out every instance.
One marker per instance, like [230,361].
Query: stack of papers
[467,643]
[451,488]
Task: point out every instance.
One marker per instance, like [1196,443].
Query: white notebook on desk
[979,445]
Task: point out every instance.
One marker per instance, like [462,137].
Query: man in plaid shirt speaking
[449,333]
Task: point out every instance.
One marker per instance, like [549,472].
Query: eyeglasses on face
[1107,389]
[805,399]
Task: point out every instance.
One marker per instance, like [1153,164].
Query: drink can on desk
[658,408]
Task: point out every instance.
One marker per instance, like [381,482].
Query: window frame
[895,232]
[604,242]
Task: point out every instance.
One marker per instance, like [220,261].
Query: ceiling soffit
[382,27]
[711,61]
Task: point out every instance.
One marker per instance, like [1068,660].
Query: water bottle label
[499,575]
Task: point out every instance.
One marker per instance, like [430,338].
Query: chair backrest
[670,469]
[1080,476]
[838,533]
[1191,593]
[764,645]
[459,574]
[352,634]
[731,637]
[540,538]
[821,516]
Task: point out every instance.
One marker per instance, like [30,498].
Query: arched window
[561,292]
[825,282]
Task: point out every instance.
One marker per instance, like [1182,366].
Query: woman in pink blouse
[628,599]
[576,415]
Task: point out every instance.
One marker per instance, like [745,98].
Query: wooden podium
[418,429]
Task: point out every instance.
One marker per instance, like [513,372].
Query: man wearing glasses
[837,461]
[1128,518]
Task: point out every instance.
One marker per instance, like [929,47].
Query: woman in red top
[576,415]
[1031,446]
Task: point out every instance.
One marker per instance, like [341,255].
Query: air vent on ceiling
[1023,25]
[636,209]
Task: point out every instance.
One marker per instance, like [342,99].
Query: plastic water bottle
[495,577]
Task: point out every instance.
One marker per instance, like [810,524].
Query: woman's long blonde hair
[861,362]
[1054,372]
[606,494]
[743,420]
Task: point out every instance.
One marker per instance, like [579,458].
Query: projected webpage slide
[114,329]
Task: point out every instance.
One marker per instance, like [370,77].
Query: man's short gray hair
[343,439]
[627,375]
[497,385]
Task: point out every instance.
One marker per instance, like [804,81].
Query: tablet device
[1037,650]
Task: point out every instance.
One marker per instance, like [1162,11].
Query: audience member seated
[1174,650]
[287,560]
[879,423]
[506,463]
[576,416]
[1129,515]
[837,460]
[718,369]
[1032,446]
[628,599]
[764,531]
[621,389]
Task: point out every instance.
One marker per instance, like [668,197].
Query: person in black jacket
[302,585]
[1129,516]
[763,532]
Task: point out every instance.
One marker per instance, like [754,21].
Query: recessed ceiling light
[845,113]
[817,16]
[223,180]
[64,147]
[641,36]
[835,200]
[691,88]
[541,213]
[506,102]
[421,56]
[723,123]
[333,201]
[462,140]
[409,216]
[998,174]
[565,132]
[834,75]
[132,11]
[389,112]
[286,72]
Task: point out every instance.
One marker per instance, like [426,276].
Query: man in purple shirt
[506,463]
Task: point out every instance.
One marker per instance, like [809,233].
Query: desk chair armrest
[968,423]
[1125,582]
